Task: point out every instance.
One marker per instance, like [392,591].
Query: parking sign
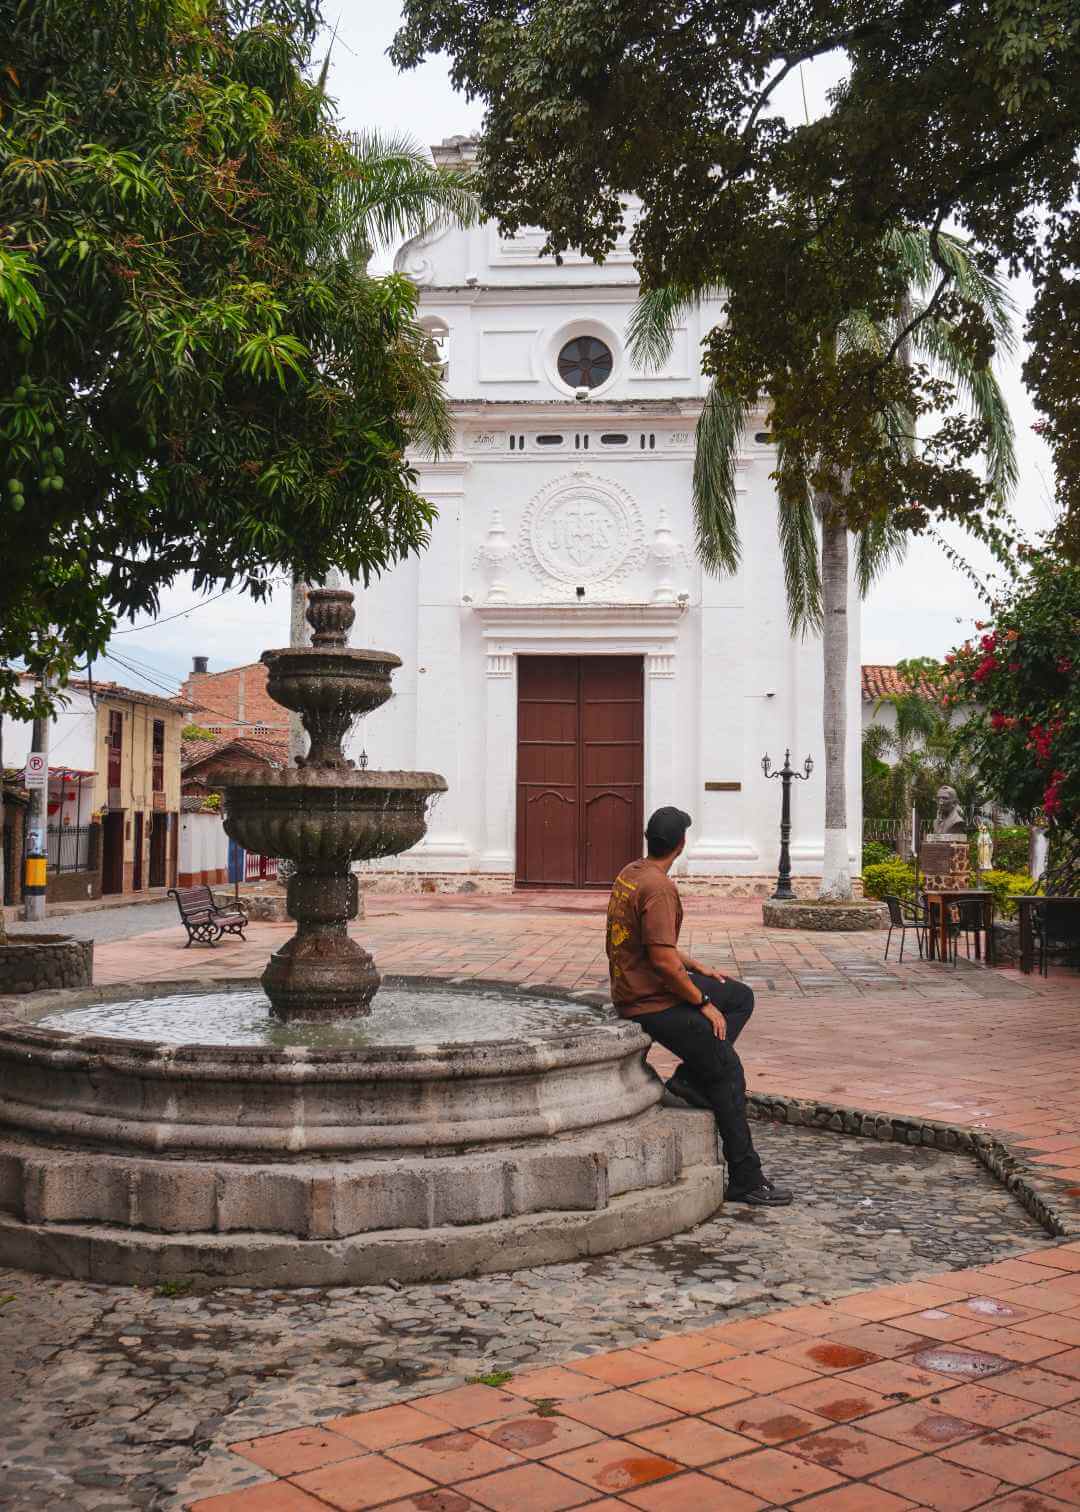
[37,770]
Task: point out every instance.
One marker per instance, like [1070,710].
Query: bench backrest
[191,900]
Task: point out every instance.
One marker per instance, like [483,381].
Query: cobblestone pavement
[105,924]
[122,1398]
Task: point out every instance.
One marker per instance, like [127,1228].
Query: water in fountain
[324,814]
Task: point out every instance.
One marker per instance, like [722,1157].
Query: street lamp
[786,774]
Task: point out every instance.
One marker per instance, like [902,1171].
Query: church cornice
[529,293]
[594,409]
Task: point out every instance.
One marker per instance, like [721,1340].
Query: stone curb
[992,1152]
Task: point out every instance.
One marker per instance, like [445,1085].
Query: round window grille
[585,362]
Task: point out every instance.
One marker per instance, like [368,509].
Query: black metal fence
[68,848]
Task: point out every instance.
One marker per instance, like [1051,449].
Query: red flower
[1064,665]
[984,669]
[1014,666]
[998,721]
[1052,795]
[989,643]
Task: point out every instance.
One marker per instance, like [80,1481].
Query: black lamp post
[786,774]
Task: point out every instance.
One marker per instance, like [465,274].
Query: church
[567,664]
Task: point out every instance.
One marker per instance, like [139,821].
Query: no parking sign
[36,774]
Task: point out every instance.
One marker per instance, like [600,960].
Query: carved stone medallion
[581,530]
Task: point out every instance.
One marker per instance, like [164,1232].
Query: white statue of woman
[985,847]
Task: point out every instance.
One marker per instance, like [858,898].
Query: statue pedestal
[945,862]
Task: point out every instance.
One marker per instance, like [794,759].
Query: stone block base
[395,883]
[38,962]
[824,916]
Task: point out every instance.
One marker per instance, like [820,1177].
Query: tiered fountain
[217,1132]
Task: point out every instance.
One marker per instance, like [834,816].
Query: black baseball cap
[668,827]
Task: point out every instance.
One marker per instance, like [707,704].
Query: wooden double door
[580,769]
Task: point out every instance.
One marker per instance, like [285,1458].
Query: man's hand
[692,965]
[716,1019]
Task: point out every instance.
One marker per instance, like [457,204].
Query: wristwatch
[705,1001]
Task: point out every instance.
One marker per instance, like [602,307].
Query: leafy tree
[816,508]
[950,112]
[1018,683]
[198,373]
[196,732]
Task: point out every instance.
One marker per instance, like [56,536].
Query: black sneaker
[686,1092]
[765,1195]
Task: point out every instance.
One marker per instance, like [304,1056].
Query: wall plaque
[723,787]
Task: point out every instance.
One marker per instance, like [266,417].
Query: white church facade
[567,664]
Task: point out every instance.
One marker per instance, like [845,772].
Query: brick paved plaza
[863,1370]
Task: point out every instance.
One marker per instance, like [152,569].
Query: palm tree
[917,731]
[814,541]
[394,192]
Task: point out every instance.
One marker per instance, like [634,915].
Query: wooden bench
[203,919]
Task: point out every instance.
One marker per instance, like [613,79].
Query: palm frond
[651,327]
[913,248]
[719,430]
[800,553]
[396,192]
[860,332]
[939,341]
[878,546]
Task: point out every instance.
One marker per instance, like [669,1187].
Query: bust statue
[949,819]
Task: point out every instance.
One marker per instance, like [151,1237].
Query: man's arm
[668,963]
[692,965]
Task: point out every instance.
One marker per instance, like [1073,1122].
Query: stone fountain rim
[338,654]
[353,778]
[432,1061]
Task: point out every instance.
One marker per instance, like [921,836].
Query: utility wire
[180,613]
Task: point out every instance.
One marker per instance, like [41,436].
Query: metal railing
[68,848]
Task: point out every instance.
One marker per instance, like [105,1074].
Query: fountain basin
[128,1160]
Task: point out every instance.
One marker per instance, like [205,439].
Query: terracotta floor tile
[1016,1270]
[1055,1429]
[933,1482]
[626,1367]
[850,1450]
[466,1406]
[689,1351]
[384,1426]
[1061,1330]
[614,1466]
[806,1320]
[554,1384]
[1037,1384]
[1045,1296]
[1024,1348]
[454,1457]
[618,1412]
[886,1340]
[1065,1364]
[298,1449]
[981,1405]
[273,1496]
[356,1484]
[1065,1484]
[535,1437]
[769,1420]
[858,1499]
[776,1475]
[760,1373]
[940,1292]
[434,1501]
[690,1492]
[823,1356]
[693,1442]
[1061,1257]
[959,1361]
[872,1307]
[753,1334]
[922,1425]
[836,1398]
[1010,1459]
[692,1391]
[528,1488]
[1031,1499]
[936,1323]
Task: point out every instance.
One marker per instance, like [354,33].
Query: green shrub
[1005,886]
[1010,848]
[874,852]
[887,877]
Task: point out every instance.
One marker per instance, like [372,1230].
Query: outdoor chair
[967,920]
[1057,932]
[905,916]
[202,917]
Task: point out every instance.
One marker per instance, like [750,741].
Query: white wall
[71,735]
[204,849]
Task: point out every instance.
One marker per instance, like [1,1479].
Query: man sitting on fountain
[696,1016]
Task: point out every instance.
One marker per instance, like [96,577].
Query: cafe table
[1025,906]
[938,930]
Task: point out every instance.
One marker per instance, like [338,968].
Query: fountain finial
[330,614]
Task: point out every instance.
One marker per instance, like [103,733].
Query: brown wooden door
[112,852]
[159,836]
[136,871]
[580,773]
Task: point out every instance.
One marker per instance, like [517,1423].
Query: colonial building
[114,789]
[567,664]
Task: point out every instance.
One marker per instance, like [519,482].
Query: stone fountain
[296,1133]
[323,814]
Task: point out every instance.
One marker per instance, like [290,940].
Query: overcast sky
[922,609]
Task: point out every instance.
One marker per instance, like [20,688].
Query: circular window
[585,362]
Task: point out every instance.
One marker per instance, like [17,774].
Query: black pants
[713,1067]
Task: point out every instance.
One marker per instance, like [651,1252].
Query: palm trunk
[3,926]
[836,870]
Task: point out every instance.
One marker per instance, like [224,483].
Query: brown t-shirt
[644,910]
